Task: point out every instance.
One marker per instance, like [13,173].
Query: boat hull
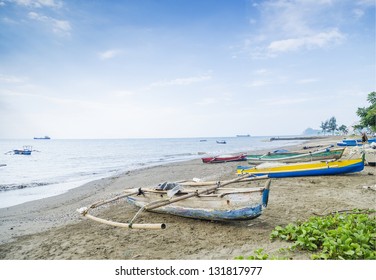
[214,207]
[22,152]
[306,169]
[296,157]
[220,159]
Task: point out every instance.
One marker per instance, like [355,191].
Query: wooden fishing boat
[190,200]
[290,157]
[224,158]
[316,168]
[224,204]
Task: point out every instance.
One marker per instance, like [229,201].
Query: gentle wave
[179,155]
[12,187]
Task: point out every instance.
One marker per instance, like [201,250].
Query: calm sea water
[56,166]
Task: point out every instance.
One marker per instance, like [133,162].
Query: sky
[182,68]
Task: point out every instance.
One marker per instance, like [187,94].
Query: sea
[56,166]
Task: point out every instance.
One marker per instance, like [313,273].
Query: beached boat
[224,158]
[315,168]
[370,155]
[348,143]
[289,157]
[221,142]
[369,141]
[222,205]
[190,200]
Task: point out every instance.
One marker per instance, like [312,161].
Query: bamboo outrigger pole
[126,225]
[210,183]
[84,212]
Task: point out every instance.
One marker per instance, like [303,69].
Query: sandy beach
[51,228]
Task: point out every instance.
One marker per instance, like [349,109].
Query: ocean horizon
[58,165]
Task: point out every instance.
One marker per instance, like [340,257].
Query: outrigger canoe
[290,157]
[192,201]
[222,205]
[224,158]
[317,168]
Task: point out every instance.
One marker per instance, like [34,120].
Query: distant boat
[243,135]
[221,142]
[42,138]
[203,140]
[25,151]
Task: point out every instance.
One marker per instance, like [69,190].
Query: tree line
[367,119]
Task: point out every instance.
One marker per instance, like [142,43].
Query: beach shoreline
[51,228]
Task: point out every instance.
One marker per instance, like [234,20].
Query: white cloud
[307,81]
[366,2]
[11,79]
[358,13]
[319,40]
[109,54]
[287,26]
[221,100]
[261,71]
[284,101]
[259,83]
[181,81]
[61,27]
[39,3]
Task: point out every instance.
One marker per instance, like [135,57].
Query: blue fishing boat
[348,143]
[26,150]
[221,205]
[191,200]
[318,168]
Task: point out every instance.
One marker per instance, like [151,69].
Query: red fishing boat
[224,158]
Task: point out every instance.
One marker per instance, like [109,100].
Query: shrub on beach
[340,236]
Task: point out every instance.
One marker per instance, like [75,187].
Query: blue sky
[182,68]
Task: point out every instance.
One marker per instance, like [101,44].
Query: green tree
[368,114]
[343,129]
[332,125]
[329,125]
[324,126]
